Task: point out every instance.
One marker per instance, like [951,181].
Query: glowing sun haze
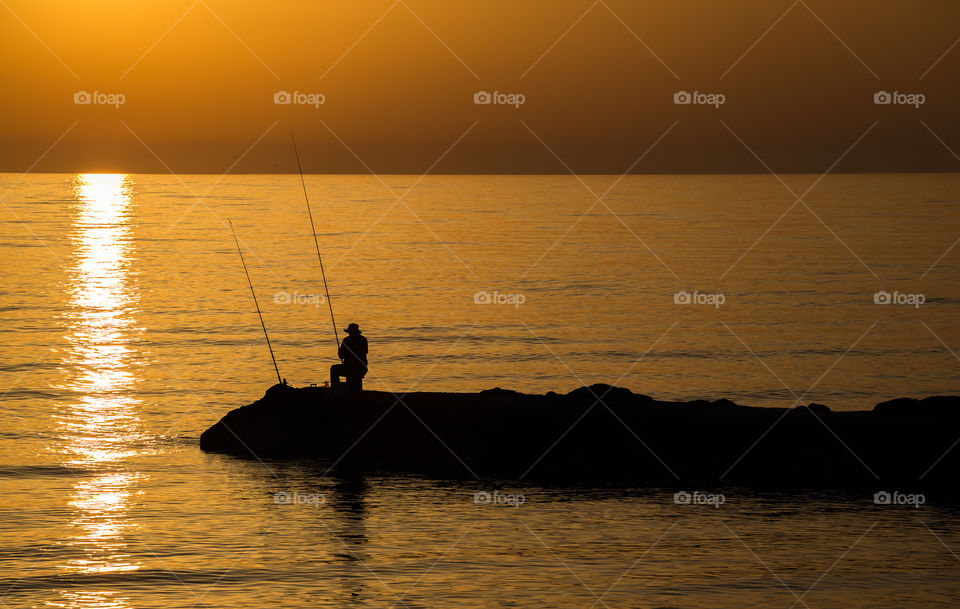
[198,81]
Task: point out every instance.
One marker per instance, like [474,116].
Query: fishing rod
[336,335]
[259,314]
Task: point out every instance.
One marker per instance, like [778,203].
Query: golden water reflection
[101,427]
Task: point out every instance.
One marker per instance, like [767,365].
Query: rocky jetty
[601,433]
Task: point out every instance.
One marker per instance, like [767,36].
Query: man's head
[353,329]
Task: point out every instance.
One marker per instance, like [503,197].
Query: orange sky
[198,80]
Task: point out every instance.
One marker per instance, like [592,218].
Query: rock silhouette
[600,433]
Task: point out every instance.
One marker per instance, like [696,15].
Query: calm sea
[128,328]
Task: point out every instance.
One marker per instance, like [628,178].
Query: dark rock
[815,408]
[511,435]
[937,406]
[606,393]
[497,391]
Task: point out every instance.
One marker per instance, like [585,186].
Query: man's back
[353,350]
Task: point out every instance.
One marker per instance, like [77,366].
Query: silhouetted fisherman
[353,358]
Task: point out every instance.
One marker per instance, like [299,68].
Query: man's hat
[353,328]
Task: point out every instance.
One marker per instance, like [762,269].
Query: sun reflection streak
[101,427]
